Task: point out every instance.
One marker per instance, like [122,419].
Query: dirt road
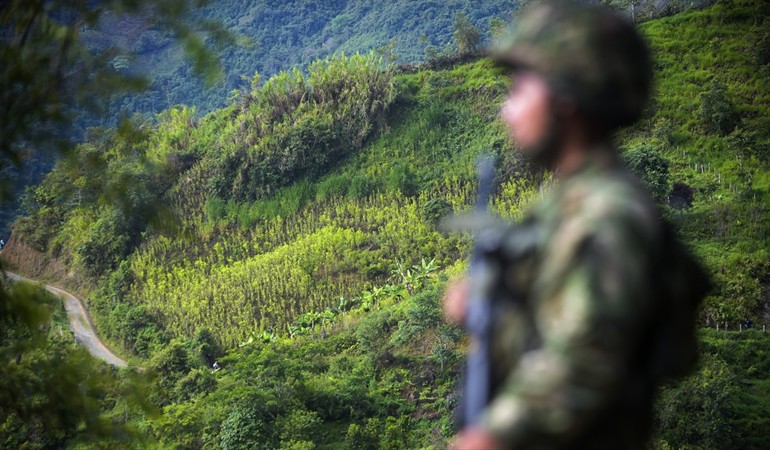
[80,324]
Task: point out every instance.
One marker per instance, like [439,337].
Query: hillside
[295,231]
[270,36]
[311,187]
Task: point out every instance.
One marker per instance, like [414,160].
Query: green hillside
[294,231]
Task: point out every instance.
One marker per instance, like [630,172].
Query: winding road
[79,323]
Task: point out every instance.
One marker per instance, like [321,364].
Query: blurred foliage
[52,392]
[49,72]
[726,403]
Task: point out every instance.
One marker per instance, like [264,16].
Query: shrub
[170,364]
[206,346]
[434,210]
[698,412]
[717,112]
[195,383]
[295,126]
[365,437]
[248,423]
[652,168]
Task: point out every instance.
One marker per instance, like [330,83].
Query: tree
[699,412]
[365,437]
[170,365]
[630,5]
[252,421]
[106,244]
[466,35]
[434,210]
[497,28]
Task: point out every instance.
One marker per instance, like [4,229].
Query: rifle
[479,310]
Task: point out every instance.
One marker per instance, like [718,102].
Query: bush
[298,427]
[699,411]
[717,112]
[434,210]
[247,424]
[652,168]
[195,383]
[423,313]
[373,331]
[170,364]
[206,346]
[396,434]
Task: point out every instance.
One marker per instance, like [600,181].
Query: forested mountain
[275,36]
[291,236]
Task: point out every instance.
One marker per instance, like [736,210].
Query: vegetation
[52,392]
[291,237]
[275,37]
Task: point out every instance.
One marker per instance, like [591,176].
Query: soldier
[587,321]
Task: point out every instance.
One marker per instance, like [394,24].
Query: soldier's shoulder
[607,198]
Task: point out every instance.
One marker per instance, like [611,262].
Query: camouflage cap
[586,53]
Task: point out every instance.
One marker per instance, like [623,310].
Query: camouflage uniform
[586,321]
[572,314]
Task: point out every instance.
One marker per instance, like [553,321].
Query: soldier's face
[527,112]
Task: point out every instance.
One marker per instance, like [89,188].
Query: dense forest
[292,238]
[275,36]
